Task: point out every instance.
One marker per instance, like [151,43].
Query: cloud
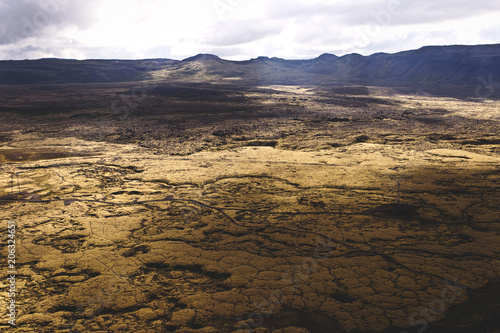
[231,33]
[420,12]
[405,12]
[23,19]
[281,9]
[391,12]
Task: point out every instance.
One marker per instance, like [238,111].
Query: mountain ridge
[455,65]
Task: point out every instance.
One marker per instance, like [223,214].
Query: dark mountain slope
[52,71]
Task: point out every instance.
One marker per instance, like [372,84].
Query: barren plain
[220,207]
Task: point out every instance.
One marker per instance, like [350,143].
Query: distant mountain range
[429,66]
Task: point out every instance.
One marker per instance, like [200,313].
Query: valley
[223,208]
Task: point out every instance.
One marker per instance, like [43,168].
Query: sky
[238,29]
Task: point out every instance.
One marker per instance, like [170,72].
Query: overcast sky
[238,29]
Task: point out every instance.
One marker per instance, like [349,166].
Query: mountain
[203,57]
[456,65]
[55,71]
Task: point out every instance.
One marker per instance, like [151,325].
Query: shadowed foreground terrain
[224,207]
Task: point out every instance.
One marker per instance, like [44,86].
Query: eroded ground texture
[304,210]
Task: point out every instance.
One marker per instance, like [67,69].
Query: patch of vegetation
[17,155]
[335,144]
[435,137]
[338,120]
[362,138]
[263,143]
[481,142]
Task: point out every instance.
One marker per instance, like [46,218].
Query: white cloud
[227,33]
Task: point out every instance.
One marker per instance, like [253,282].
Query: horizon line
[265,57]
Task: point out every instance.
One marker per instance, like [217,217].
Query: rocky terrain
[218,206]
